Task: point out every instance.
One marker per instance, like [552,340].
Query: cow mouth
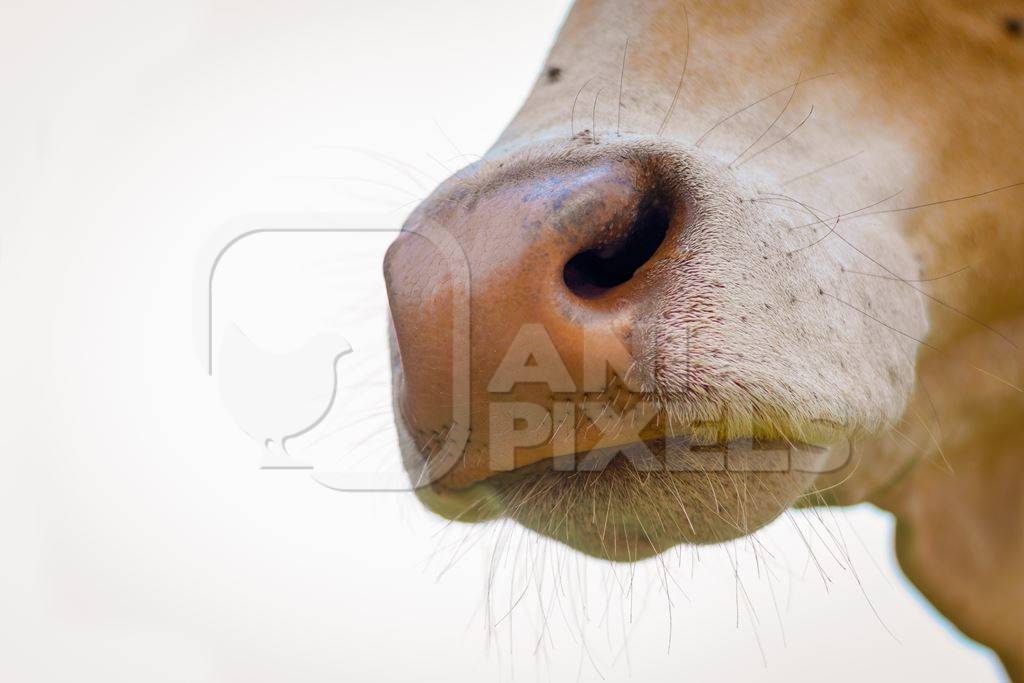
[677,454]
[637,499]
[663,442]
[631,508]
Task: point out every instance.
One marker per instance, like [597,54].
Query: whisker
[679,86]
[770,95]
[934,439]
[835,486]
[445,136]
[462,155]
[831,231]
[813,212]
[897,279]
[943,201]
[825,578]
[819,169]
[789,100]
[593,124]
[622,75]
[999,379]
[937,300]
[572,113]
[784,137]
[852,215]
[883,323]
[349,179]
[403,167]
[440,163]
[844,215]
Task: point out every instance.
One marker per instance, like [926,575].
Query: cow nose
[595,270]
[555,266]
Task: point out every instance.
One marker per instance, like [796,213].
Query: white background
[140,539]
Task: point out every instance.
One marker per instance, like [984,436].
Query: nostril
[594,271]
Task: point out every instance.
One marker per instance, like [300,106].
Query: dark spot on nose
[1014,25]
[553,73]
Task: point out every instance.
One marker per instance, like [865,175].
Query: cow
[731,258]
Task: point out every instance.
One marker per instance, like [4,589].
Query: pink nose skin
[558,263]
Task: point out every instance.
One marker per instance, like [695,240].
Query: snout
[631,307]
[561,262]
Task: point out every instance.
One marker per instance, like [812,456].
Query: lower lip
[682,454]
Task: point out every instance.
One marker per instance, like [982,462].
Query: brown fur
[923,97]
